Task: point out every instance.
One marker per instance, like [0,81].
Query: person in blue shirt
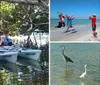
[69,22]
[6,41]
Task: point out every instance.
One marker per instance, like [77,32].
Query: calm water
[25,71]
[54,22]
[81,54]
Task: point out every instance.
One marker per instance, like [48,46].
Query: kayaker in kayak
[6,41]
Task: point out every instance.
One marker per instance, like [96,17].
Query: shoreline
[78,34]
[75,25]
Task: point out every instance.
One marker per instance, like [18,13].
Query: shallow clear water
[82,22]
[81,54]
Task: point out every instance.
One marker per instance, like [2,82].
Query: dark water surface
[24,72]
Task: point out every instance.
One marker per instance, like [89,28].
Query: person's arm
[90,18]
[1,40]
[59,13]
[73,18]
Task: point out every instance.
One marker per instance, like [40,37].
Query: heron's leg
[67,64]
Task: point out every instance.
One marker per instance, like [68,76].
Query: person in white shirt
[63,21]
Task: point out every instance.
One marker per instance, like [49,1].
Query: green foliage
[6,17]
[14,17]
[6,8]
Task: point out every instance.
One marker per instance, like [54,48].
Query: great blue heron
[83,75]
[67,59]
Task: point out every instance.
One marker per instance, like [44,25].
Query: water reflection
[25,71]
[8,66]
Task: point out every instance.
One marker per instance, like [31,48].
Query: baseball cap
[94,14]
[6,31]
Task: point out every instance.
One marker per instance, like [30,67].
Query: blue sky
[79,8]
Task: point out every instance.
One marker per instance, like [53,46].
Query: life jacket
[7,42]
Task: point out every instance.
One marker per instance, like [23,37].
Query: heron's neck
[63,51]
[85,69]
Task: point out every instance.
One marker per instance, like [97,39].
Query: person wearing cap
[93,19]
[6,41]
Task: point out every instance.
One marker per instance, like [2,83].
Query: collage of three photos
[49,42]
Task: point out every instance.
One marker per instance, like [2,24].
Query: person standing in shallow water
[93,19]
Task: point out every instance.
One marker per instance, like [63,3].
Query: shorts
[94,28]
[69,24]
[63,24]
[59,25]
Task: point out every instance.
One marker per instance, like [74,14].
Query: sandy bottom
[74,35]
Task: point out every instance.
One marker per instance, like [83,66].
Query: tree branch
[30,2]
[33,2]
